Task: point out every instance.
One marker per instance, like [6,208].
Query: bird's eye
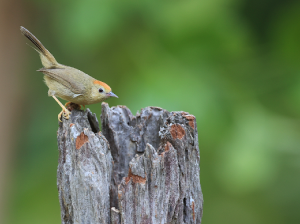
[100,90]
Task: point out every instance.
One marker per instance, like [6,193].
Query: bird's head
[101,91]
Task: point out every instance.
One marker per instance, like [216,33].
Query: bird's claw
[65,114]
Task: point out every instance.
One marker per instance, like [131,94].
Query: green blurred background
[233,64]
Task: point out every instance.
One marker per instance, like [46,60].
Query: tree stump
[140,169]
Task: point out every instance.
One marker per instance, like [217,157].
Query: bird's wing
[61,76]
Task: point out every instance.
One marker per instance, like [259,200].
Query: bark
[140,169]
[84,170]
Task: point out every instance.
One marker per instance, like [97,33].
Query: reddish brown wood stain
[177,131]
[193,207]
[81,139]
[167,146]
[191,119]
[135,178]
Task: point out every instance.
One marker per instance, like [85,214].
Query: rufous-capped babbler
[66,82]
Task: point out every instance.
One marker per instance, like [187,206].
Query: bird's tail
[47,58]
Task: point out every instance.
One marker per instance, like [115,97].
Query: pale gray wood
[84,170]
[127,136]
[145,170]
[115,216]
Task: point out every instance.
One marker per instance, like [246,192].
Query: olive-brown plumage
[66,82]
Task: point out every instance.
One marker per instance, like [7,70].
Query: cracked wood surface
[84,170]
[140,169]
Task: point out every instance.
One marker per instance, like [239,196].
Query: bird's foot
[65,113]
[67,104]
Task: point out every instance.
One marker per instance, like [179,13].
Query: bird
[66,82]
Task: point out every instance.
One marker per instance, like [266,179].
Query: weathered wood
[128,136]
[115,216]
[154,176]
[84,170]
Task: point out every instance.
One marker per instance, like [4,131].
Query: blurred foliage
[233,64]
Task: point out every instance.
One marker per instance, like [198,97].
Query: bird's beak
[111,94]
